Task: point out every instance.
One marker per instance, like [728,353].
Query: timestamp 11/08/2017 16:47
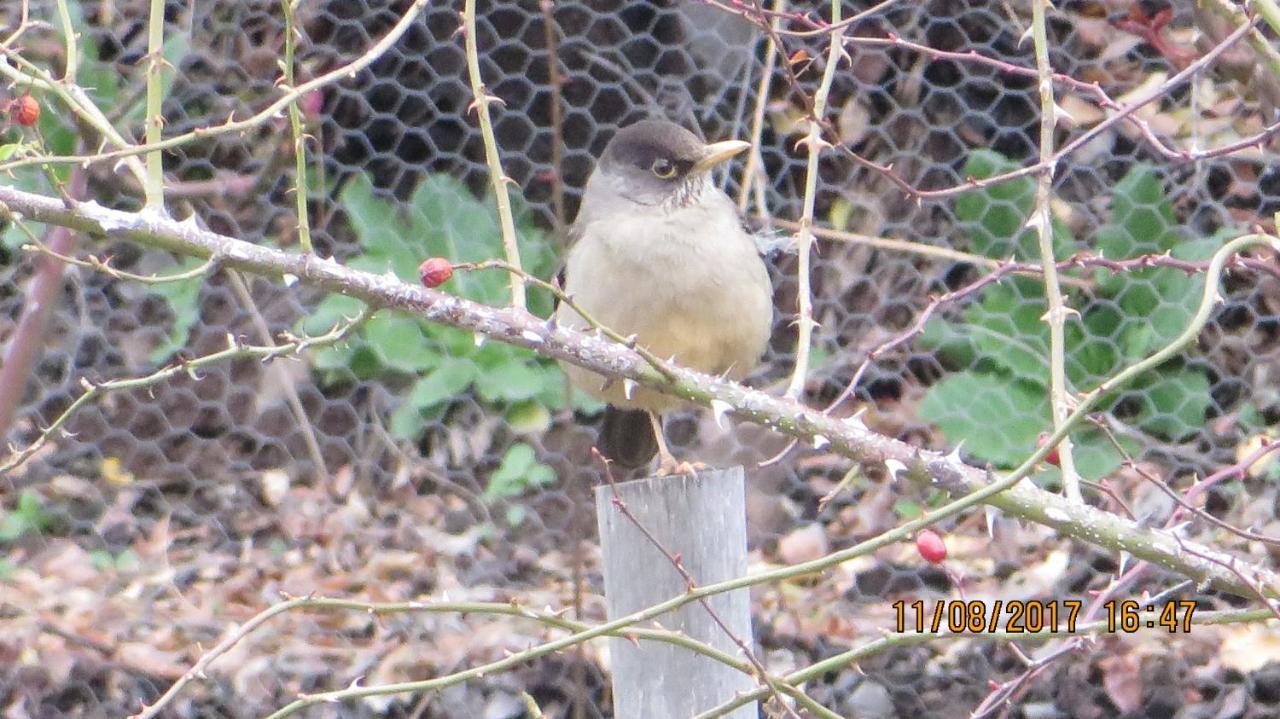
[1032,616]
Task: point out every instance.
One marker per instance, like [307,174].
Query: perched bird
[661,253]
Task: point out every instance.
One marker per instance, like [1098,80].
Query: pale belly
[706,302]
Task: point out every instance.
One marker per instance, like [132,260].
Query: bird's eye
[664,168]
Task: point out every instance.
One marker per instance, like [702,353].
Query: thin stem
[620,362]
[235,351]
[753,169]
[1042,220]
[295,126]
[69,40]
[153,184]
[241,290]
[78,100]
[804,238]
[554,81]
[1267,53]
[498,178]
[893,641]
[887,243]
[24,16]
[1269,12]
[511,609]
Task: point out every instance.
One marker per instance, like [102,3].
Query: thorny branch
[847,437]
[622,360]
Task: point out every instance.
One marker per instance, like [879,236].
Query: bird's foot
[670,465]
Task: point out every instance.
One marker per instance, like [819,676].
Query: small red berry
[26,110]
[930,546]
[1052,457]
[435,271]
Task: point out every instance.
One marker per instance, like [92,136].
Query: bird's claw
[670,466]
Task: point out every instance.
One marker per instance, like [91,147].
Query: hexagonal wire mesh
[413,462]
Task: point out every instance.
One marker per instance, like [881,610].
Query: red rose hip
[435,271]
[26,110]
[930,546]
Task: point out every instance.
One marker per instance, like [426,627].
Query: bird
[660,254]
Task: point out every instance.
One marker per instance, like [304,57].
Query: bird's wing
[571,237]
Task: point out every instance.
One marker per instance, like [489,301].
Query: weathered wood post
[702,519]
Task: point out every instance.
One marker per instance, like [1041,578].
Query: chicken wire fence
[412,461]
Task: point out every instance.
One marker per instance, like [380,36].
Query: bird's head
[655,162]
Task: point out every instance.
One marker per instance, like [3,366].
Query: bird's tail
[626,437]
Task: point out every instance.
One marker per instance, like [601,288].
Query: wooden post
[703,520]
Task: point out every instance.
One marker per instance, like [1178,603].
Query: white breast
[688,284]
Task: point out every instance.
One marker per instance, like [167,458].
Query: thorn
[532,337]
[954,455]
[720,408]
[820,441]
[992,514]
[628,387]
[1026,35]
[478,339]
[895,468]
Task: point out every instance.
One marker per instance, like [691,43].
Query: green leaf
[907,509]
[528,417]
[1008,330]
[440,219]
[6,151]
[441,385]
[513,381]
[400,343]
[997,418]
[1174,402]
[953,346]
[520,470]
[1141,209]
[27,518]
[995,217]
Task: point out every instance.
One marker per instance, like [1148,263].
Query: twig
[153,185]
[1185,506]
[1269,10]
[1266,52]
[24,22]
[128,150]
[839,661]
[1042,220]
[583,632]
[814,143]
[300,186]
[497,177]
[656,362]
[611,359]
[753,171]
[286,383]
[42,293]
[888,243]
[103,265]
[1255,585]
[1002,270]
[512,609]
[72,59]
[234,351]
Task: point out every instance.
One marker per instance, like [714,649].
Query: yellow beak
[718,152]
